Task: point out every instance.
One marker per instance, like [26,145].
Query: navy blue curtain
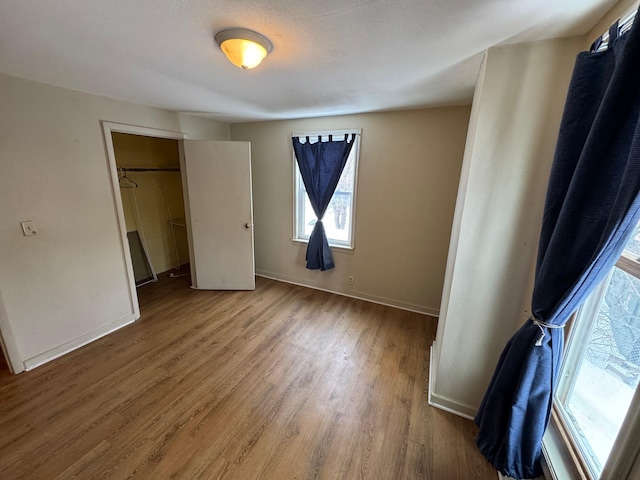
[591,208]
[321,164]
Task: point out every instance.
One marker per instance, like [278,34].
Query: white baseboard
[388,302]
[81,341]
[444,403]
[448,405]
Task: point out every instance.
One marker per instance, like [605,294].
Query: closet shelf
[178,222]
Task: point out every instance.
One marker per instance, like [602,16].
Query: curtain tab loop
[614,31]
[542,325]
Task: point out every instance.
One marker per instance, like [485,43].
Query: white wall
[407,178]
[67,284]
[514,126]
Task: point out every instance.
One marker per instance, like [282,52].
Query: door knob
[247,225]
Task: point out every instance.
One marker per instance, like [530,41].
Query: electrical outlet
[350,280]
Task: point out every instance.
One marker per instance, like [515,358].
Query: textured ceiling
[329,57]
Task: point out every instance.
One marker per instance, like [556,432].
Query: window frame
[563,457]
[299,193]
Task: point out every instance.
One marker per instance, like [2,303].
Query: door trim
[8,343]
[108,128]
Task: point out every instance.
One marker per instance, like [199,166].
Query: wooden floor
[281,383]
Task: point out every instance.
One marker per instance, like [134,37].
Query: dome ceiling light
[244,48]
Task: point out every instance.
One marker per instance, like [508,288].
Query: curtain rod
[148,169]
[624,25]
[326,133]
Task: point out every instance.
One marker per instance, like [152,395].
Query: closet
[181,202]
[150,184]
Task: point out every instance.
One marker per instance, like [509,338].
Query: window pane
[337,219]
[633,245]
[608,372]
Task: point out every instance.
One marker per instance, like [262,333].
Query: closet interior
[151,190]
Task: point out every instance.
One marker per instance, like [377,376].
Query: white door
[218,206]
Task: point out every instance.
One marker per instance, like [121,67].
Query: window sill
[559,462]
[334,248]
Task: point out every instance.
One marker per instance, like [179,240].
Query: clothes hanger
[124,181]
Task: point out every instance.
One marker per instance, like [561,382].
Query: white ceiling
[329,57]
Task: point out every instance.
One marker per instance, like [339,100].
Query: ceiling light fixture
[244,48]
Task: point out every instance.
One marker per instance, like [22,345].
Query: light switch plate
[29,228]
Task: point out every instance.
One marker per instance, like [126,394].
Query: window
[339,218]
[601,367]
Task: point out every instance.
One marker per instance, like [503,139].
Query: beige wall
[407,179]
[517,108]
[68,284]
[158,196]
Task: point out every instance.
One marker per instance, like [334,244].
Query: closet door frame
[109,128]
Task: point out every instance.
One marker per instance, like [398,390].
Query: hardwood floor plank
[84,466]
[454,452]
[283,382]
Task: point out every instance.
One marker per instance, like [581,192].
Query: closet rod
[148,169]
[624,25]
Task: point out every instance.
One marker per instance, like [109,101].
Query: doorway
[10,359]
[216,182]
[109,130]
[150,185]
